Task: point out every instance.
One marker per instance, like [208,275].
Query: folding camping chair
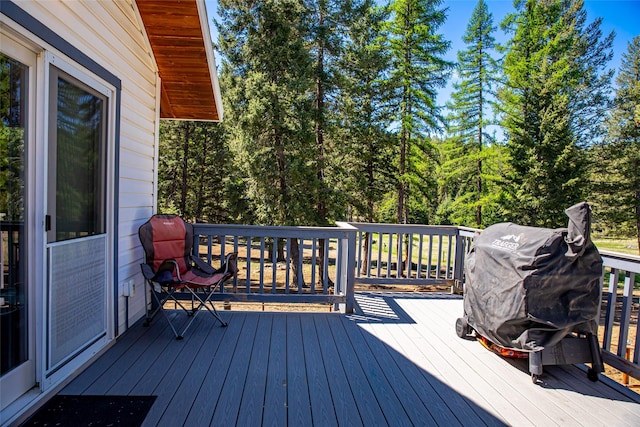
[170,268]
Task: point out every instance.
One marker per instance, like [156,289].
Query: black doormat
[76,411]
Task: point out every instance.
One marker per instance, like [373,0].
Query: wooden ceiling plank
[175,35]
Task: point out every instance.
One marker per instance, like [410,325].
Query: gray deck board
[397,361]
[407,399]
[275,402]
[510,403]
[208,382]
[344,404]
[367,408]
[298,402]
[252,404]
[172,375]
[319,393]
[379,378]
[432,394]
[231,394]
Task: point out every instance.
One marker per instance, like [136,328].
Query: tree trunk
[480,143]
[280,256]
[201,182]
[298,276]
[321,205]
[185,168]
[365,259]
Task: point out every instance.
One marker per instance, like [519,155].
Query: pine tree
[323,20]
[555,81]
[269,72]
[364,114]
[617,164]
[419,69]
[472,100]
[365,161]
[194,171]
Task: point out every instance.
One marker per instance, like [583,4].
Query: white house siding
[111,34]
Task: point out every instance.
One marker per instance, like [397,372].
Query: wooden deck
[396,362]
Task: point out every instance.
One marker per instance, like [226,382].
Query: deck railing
[284,264]
[322,264]
[619,326]
[332,260]
[436,254]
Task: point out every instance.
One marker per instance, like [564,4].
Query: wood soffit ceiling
[176,37]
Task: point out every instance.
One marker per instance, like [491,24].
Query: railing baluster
[313,265]
[389,251]
[288,271]
[359,260]
[439,256]
[430,255]
[627,295]
[400,246]
[612,294]
[636,347]
[325,261]
[419,266]
[379,259]
[339,272]
[369,237]
[261,285]
[248,281]
[300,276]
[410,256]
[274,264]
[222,238]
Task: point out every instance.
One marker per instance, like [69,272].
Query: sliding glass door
[17,367]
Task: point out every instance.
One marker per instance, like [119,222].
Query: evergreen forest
[331,113]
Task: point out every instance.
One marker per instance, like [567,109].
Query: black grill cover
[528,287]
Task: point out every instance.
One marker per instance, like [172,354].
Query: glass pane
[79,182]
[13,286]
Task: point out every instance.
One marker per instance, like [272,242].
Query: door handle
[47,222]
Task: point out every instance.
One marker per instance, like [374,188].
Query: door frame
[49,375]
[19,380]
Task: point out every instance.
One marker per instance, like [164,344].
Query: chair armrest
[201,265]
[230,266]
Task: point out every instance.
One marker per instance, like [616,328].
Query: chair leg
[202,303]
[197,304]
[151,312]
[215,314]
[160,308]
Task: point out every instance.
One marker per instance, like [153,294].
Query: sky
[621,16]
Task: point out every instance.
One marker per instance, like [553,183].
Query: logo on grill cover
[508,242]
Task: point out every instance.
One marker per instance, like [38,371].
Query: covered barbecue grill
[536,290]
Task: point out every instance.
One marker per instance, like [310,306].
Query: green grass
[622,245]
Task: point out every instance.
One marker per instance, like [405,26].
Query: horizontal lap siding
[110,34]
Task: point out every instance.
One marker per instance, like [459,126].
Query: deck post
[348,261]
[458,266]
